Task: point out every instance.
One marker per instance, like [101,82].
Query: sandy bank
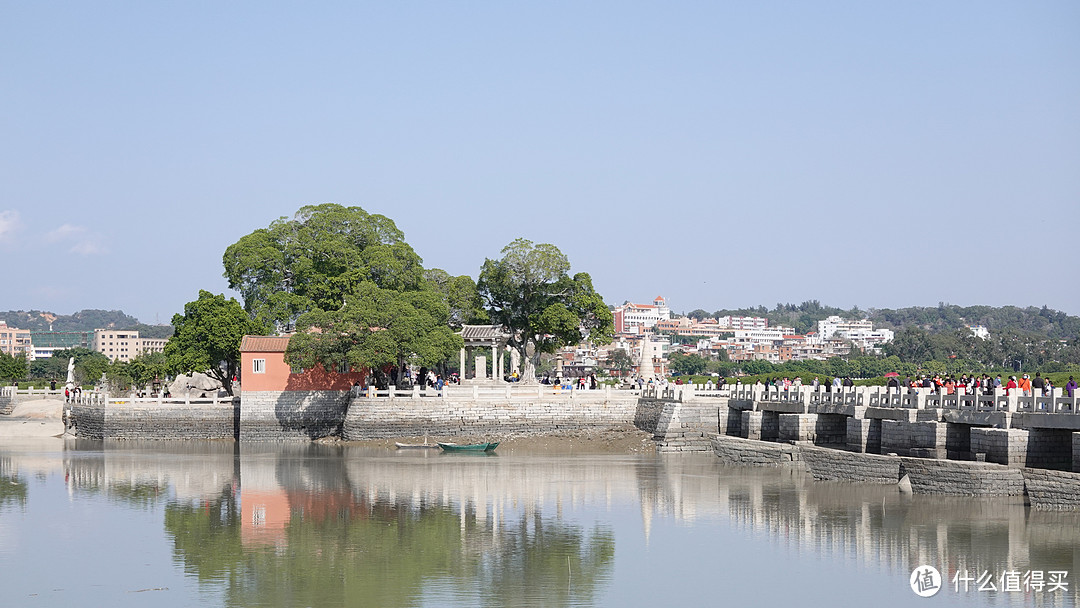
[34,418]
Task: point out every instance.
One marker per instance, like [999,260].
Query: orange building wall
[279,376]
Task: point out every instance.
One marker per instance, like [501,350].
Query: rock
[194,383]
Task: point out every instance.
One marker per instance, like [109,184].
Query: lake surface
[212,524]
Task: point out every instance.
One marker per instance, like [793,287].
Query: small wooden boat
[469,447]
[415,446]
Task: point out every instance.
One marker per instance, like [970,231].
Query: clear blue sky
[722,154]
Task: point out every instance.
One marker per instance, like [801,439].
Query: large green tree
[314,259]
[208,336]
[529,292]
[355,291]
[376,328]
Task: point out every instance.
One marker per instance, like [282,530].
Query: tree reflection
[340,548]
[12,488]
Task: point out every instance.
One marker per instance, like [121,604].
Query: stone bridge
[1016,429]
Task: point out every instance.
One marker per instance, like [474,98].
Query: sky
[720,154]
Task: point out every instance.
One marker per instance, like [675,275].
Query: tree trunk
[528,365]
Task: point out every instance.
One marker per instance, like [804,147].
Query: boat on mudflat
[469,447]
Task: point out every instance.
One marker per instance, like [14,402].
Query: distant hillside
[938,319]
[84,320]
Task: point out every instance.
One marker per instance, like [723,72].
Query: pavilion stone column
[461,370]
[494,361]
[515,361]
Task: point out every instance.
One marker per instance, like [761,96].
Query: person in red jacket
[1010,385]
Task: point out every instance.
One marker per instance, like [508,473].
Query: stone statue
[70,384]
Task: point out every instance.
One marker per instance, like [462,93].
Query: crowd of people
[1025,384]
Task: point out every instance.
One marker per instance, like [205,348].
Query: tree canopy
[375,328]
[208,337]
[529,293]
[315,259]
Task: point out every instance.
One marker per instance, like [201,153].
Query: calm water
[205,524]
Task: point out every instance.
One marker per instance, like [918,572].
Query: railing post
[393,389]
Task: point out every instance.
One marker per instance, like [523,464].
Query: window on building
[258,366]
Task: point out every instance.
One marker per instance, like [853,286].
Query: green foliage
[376,327]
[687,365]
[619,361]
[315,259]
[530,294]
[460,295]
[13,367]
[208,337]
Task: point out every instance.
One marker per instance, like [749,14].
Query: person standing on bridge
[1070,387]
[1038,384]
[1025,385]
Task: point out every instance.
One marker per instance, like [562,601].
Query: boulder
[194,384]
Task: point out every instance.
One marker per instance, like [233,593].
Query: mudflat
[34,418]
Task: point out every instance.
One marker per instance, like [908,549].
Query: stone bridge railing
[910,398]
[493,392]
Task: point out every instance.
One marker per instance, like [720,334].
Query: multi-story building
[742,322]
[124,345]
[15,341]
[48,342]
[636,318]
[861,333]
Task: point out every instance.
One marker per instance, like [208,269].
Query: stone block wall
[1076,452]
[290,415]
[836,465]
[958,440]
[936,476]
[687,426]
[750,424]
[737,451]
[89,420]
[404,417]
[923,439]
[648,414]
[797,427]
[863,434]
[7,404]
[1052,490]
[831,429]
[1050,449]
[730,421]
[1001,446]
[154,421]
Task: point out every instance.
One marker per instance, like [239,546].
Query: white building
[861,333]
[634,318]
[743,322]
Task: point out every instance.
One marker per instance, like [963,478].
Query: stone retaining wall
[292,415]
[753,453]
[838,465]
[7,404]
[935,476]
[154,421]
[648,413]
[687,426]
[1052,490]
[406,417]
[923,439]
[1001,446]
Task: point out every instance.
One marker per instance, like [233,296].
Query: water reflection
[314,524]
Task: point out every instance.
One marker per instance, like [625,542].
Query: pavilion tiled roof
[482,332]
